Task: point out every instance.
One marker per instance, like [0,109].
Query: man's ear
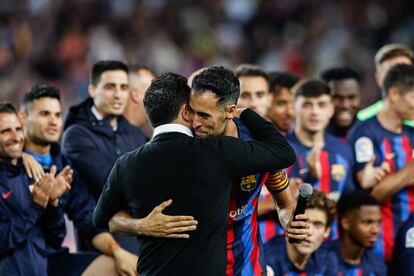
[231,111]
[186,113]
[134,95]
[345,223]
[91,90]
[393,94]
[22,117]
[327,232]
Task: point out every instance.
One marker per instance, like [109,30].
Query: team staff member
[96,134]
[186,159]
[31,222]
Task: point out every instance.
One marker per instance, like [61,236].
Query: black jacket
[93,146]
[197,174]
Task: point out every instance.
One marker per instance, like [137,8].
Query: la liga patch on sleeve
[409,238]
[364,149]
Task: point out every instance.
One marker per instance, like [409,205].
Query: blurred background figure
[281,111]
[295,35]
[140,78]
[254,88]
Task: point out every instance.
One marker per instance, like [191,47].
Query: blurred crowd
[58,41]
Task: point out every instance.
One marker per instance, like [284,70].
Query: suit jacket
[197,174]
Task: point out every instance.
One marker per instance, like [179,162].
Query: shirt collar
[99,117]
[172,128]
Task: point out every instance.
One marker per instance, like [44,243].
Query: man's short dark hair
[250,70]
[400,76]
[310,89]
[281,79]
[354,200]
[392,50]
[7,107]
[318,200]
[39,91]
[340,73]
[105,65]
[219,80]
[136,67]
[164,98]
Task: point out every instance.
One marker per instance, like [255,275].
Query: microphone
[305,191]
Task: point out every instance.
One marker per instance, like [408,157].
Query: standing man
[140,78]
[281,111]
[254,88]
[214,92]
[183,162]
[323,160]
[359,220]
[284,258]
[345,88]
[96,134]
[282,115]
[41,115]
[383,148]
[386,57]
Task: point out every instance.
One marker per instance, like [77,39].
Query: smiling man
[346,95]
[96,134]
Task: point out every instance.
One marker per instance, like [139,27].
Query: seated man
[359,219]
[284,258]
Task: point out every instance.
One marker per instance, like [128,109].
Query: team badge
[248,183]
[364,149]
[409,238]
[337,172]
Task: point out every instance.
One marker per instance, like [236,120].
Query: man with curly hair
[284,258]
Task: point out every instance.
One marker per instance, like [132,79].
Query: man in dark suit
[195,173]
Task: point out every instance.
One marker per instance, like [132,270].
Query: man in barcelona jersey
[383,148]
[244,246]
[359,218]
[307,257]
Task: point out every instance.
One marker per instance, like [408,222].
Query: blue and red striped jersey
[269,225]
[321,262]
[244,246]
[336,164]
[370,265]
[370,138]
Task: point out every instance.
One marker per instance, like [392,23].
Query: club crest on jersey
[248,183]
[337,172]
